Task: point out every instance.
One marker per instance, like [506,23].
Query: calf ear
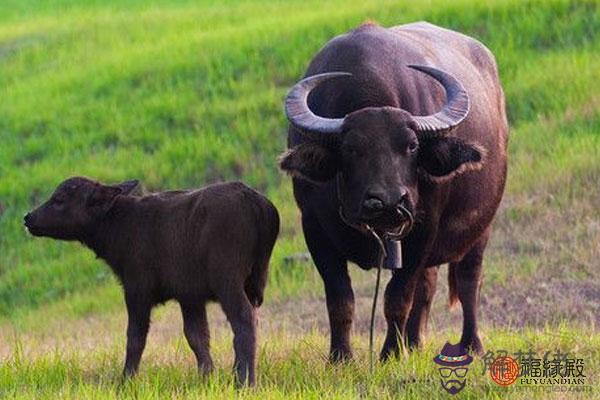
[102,198]
[442,158]
[313,162]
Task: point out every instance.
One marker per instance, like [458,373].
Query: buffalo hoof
[388,352]
[414,344]
[393,349]
[474,346]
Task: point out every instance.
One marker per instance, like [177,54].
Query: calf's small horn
[457,102]
[300,115]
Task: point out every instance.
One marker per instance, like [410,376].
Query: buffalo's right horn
[300,115]
[457,102]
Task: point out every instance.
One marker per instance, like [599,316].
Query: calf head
[75,208]
[377,155]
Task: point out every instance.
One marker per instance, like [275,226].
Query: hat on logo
[453,355]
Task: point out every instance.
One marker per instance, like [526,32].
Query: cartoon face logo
[452,362]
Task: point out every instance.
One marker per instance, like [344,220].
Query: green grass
[290,364]
[182,93]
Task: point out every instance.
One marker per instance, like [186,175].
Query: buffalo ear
[443,158]
[314,162]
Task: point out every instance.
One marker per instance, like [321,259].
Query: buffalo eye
[412,147]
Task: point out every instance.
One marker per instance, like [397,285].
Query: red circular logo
[504,371]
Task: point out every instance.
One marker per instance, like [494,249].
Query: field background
[181,93]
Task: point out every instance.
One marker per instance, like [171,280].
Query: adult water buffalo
[405,118]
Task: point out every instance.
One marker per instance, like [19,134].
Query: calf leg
[419,314]
[468,283]
[195,327]
[399,295]
[241,316]
[138,312]
[333,269]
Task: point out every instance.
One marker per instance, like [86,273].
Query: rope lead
[406,227]
[382,256]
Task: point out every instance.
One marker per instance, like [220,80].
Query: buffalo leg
[468,284]
[241,316]
[195,327]
[333,269]
[399,295]
[419,314]
[137,330]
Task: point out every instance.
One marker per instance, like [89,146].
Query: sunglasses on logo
[459,372]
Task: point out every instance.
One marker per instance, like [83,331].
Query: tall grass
[180,93]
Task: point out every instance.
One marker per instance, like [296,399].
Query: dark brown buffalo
[192,246]
[410,117]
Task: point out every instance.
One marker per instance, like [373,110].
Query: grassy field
[181,93]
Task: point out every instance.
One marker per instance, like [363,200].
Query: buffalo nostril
[403,197]
[27,218]
[373,203]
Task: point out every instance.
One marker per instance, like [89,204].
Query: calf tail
[452,289]
[268,228]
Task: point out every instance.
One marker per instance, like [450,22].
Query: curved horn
[296,106]
[457,102]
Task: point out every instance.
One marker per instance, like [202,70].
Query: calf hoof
[128,373]
[244,381]
[126,377]
[205,368]
[244,384]
[340,355]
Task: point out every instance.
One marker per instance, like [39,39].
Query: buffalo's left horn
[300,115]
[457,102]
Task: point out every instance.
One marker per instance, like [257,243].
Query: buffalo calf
[211,244]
